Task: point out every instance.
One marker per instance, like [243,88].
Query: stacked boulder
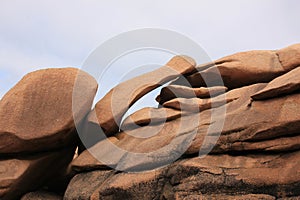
[37,129]
[242,110]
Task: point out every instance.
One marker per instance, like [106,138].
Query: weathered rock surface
[37,130]
[176,91]
[245,68]
[84,185]
[285,84]
[197,104]
[201,143]
[41,195]
[27,173]
[289,57]
[111,108]
[250,133]
[150,116]
[260,121]
[260,174]
[214,176]
[240,132]
[89,159]
[38,113]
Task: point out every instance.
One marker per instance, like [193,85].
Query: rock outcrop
[38,128]
[212,177]
[248,125]
[229,129]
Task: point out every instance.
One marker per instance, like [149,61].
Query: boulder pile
[229,129]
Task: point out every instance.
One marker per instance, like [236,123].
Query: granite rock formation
[37,128]
[249,124]
[229,129]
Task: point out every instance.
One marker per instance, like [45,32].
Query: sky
[42,34]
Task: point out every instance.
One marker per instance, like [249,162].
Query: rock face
[223,130]
[37,129]
[250,133]
[212,177]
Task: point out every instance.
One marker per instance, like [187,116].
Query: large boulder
[38,119]
[39,113]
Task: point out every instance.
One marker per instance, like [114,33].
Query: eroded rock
[256,123]
[84,185]
[41,195]
[213,176]
[150,116]
[38,113]
[111,108]
[21,175]
[282,85]
[177,91]
[244,144]
[244,147]
[289,57]
[245,68]
[260,174]
[100,156]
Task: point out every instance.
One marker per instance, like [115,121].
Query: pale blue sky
[40,34]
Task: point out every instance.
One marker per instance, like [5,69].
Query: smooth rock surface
[245,68]
[177,91]
[111,108]
[285,84]
[197,104]
[99,156]
[289,57]
[150,116]
[38,113]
